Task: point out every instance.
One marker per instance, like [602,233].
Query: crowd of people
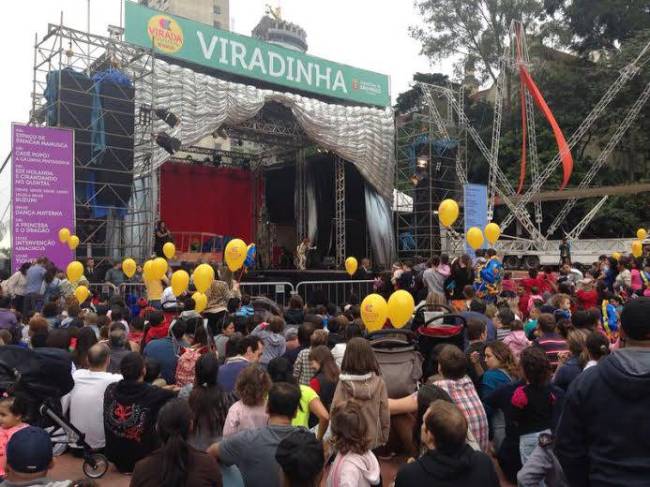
[543,380]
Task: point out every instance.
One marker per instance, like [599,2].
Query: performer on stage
[301,254]
[161,238]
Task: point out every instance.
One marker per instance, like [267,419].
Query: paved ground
[66,467]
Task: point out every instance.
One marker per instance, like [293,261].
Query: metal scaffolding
[339,215]
[431,166]
[115,208]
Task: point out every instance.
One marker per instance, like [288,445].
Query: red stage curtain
[195,198]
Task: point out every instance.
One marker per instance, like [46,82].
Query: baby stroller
[41,377]
[440,326]
[399,360]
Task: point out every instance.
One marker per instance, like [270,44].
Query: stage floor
[295,276]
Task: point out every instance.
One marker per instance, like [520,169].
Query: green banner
[233,53]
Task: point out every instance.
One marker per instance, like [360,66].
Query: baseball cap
[29,450]
[634,319]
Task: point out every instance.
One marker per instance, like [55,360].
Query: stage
[295,276]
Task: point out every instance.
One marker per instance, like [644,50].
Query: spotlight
[168,117]
[167,142]
[216,159]
[246,163]
[422,162]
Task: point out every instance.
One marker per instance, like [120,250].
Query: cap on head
[29,450]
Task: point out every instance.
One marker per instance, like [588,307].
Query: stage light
[246,163]
[167,142]
[168,117]
[422,162]
[216,159]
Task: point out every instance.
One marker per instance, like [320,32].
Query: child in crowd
[508,284]
[12,412]
[222,338]
[517,339]
[272,335]
[246,309]
[610,305]
[536,405]
[476,336]
[355,464]
[361,380]
[549,340]
[533,315]
[452,365]
[252,386]
[302,369]
[597,347]
[534,296]
[503,322]
[562,304]
[326,374]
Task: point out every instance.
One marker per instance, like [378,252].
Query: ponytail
[174,422]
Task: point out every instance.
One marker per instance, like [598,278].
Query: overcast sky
[370,34]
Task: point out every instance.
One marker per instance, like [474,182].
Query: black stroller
[41,377]
[439,325]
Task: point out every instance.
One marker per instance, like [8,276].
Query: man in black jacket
[602,437]
[449,461]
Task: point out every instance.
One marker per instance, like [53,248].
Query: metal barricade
[280,292]
[336,292]
[103,289]
[133,290]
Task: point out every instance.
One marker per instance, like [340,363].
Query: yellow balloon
[400,308]
[73,242]
[159,267]
[641,234]
[81,293]
[64,235]
[128,267]
[448,212]
[616,255]
[351,265]
[180,281]
[492,233]
[200,301]
[637,248]
[374,311]
[169,249]
[148,271]
[74,271]
[203,276]
[474,238]
[235,254]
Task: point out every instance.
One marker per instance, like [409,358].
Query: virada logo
[165,33]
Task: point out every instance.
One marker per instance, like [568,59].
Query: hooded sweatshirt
[516,342]
[354,470]
[467,468]
[130,413]
[369,390]
[602,436]
[274,343]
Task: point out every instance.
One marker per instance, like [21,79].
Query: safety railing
[337,292]
[280,292]
[103,288]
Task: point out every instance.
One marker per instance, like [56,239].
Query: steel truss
[432,137]
[113,235]
[339,205]
[498,184]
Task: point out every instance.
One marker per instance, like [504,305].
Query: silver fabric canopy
[362,135]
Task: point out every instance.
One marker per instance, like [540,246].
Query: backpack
[186,365]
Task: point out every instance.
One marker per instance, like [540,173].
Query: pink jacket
[5,436]
[517,341]
[241,417]
[353,470]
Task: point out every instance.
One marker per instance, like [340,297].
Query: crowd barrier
[337,292]
[334,291]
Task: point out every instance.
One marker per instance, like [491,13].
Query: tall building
[213,12]
[272,28]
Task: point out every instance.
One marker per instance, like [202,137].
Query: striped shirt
[552,344]
[464,395]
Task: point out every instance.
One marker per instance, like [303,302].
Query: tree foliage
[475,30]
[600,24]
